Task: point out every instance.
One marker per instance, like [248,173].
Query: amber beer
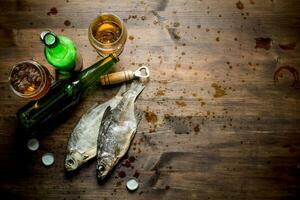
[30,80]
[107,34]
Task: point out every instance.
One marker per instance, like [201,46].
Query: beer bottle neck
[90,75]
[59,51]
[50,40]
[54,46]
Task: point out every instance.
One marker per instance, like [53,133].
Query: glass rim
[97,19]
[42,73]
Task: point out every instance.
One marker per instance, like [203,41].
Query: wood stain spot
[288,46]
[263,43]
[240,5]
[181,103]
[151,117]
[119,183]
[176,24]
[136,174]
[53,11]
[122,174]
[219,92]
[67,23]
[131,37]
[131,159]
[127,164]
[160,93]
[279,73]
[196,128]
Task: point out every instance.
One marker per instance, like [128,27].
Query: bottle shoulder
[64,55]
[67,41]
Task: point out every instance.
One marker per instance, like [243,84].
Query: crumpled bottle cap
[33,144]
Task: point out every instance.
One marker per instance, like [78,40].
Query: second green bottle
[61,53]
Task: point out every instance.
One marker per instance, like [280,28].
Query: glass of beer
[30,80]
[107,34]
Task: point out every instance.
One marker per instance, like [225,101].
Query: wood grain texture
[216,125]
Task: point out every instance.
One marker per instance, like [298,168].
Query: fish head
[73,161]
[104,167]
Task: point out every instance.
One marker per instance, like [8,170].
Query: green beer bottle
[62,95]
[61,52]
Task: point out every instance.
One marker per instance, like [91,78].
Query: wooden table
[216,124]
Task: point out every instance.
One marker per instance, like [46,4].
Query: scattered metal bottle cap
[33,144]
[48,159]
[132,184]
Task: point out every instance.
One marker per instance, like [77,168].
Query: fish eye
[101,168]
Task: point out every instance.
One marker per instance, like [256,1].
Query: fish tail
[122,90]
[136,88]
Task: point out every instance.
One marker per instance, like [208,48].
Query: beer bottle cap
[33,144]
[132,184]
[48,159]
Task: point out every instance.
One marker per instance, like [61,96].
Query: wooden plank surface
[216,124]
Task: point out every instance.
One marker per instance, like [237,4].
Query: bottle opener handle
[117,77]
[123,76]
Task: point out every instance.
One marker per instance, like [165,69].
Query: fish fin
[136,87]
[103,129]
[90,153]
[138,116]
[106,113]
[122,90]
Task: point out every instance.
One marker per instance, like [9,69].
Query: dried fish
[82,144]
[117,130]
